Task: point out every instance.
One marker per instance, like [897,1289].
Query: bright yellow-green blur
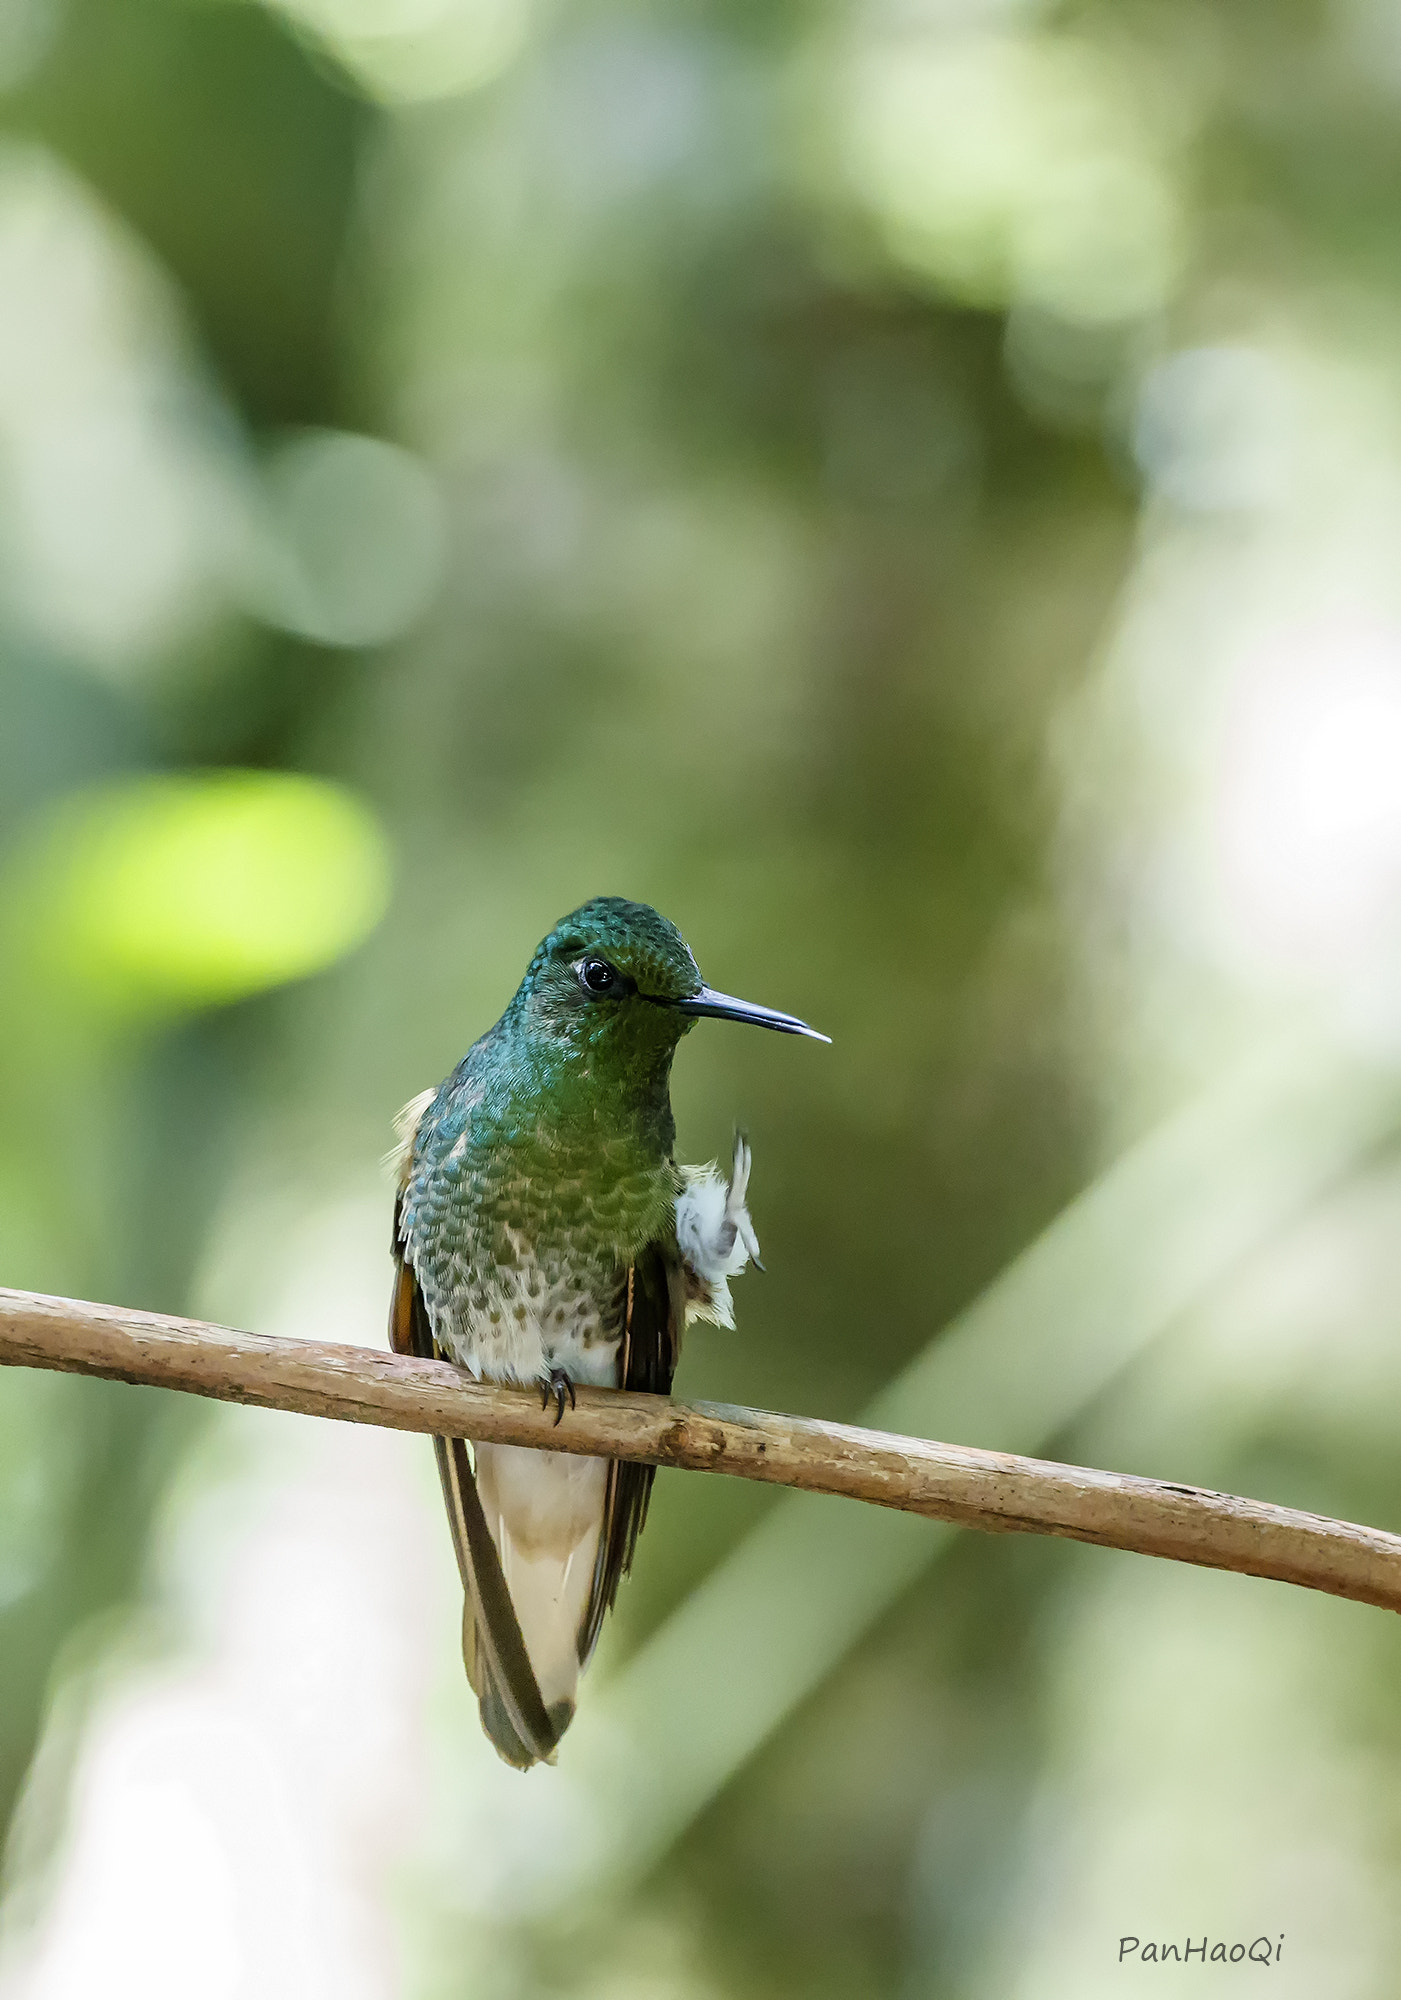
[180,892]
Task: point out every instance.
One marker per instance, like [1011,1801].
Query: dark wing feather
[654,1316]
[493,1649]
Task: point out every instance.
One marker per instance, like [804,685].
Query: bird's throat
[590,1103]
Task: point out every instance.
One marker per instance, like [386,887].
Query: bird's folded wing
[654,1315]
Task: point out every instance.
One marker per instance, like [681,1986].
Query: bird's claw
[558,1385]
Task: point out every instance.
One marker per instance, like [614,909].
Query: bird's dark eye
[596,975]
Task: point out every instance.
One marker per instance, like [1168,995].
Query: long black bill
[725,1007]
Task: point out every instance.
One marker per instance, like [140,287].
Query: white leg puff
[715,1235]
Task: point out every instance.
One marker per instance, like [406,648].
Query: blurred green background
[912,489]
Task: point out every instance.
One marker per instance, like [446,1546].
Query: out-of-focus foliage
[911,490]
[178,893]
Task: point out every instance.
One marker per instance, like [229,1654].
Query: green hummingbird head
[615,980]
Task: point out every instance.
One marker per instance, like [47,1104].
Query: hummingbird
[544,1234]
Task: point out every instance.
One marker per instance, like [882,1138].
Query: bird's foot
[558,1385]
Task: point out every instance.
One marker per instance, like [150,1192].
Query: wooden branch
[994,1491]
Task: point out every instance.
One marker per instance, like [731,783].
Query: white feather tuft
[406,1124]
[715,1234]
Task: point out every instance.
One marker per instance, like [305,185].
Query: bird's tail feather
[545,1511]
[494,1651]
[515,1716]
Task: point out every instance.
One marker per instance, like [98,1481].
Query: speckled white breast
[522,1324]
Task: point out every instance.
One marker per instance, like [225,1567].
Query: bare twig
[991,1490]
